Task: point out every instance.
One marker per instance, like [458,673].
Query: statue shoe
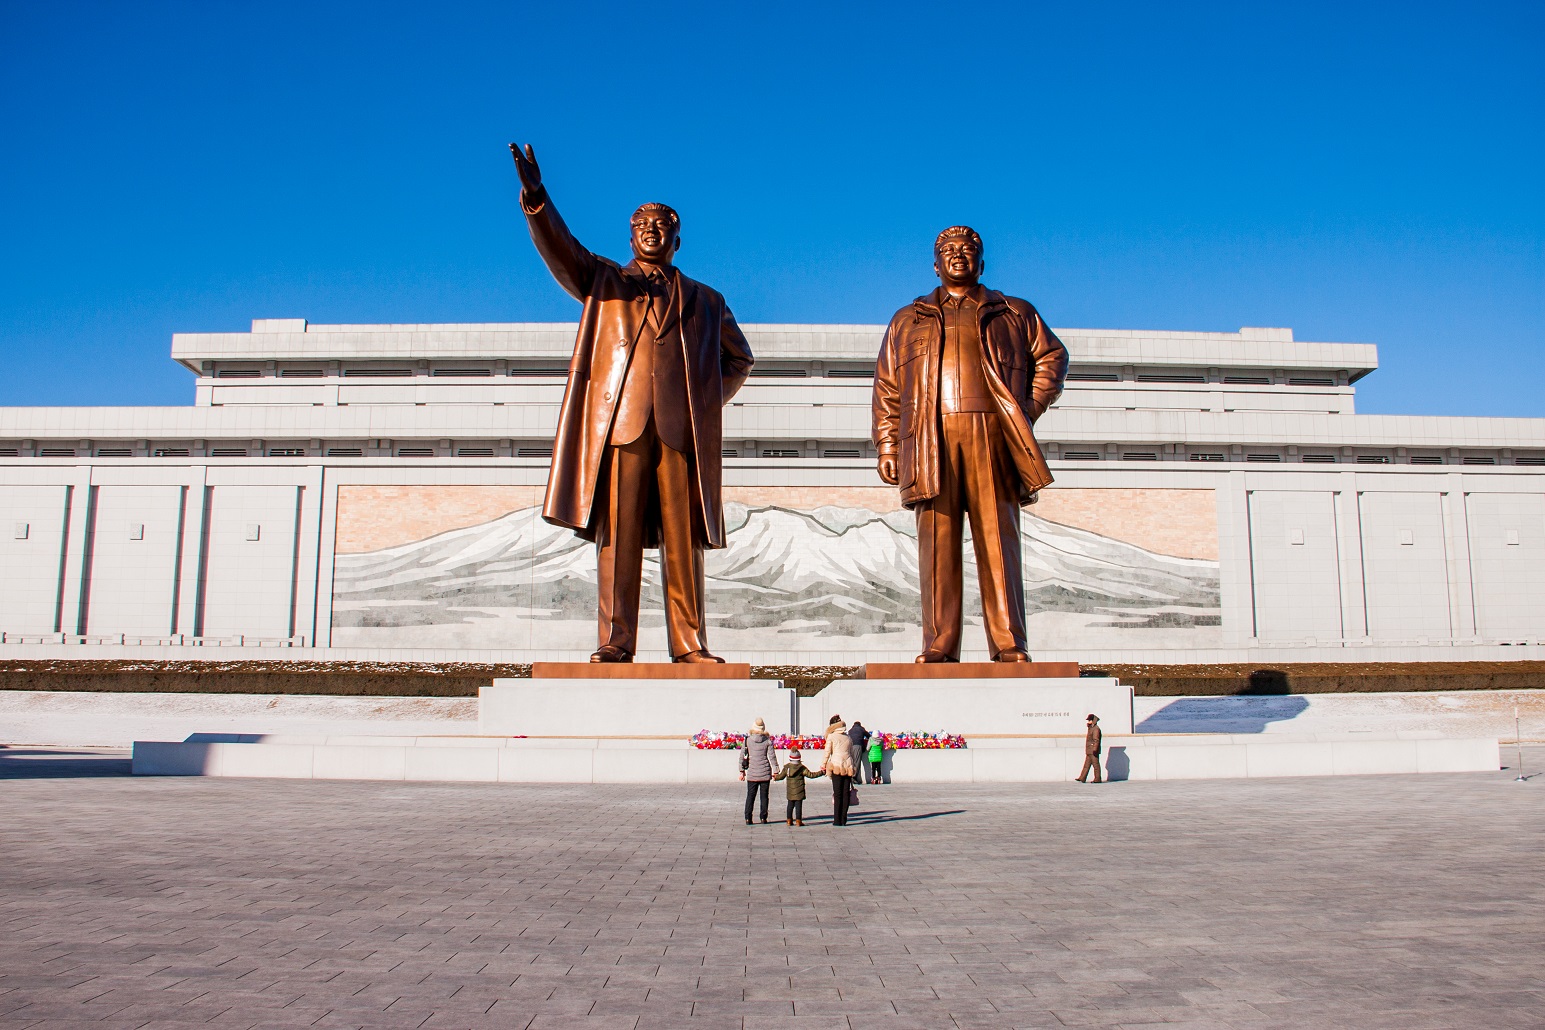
[698,658]
[610,653]
[1011,654]
[933,657]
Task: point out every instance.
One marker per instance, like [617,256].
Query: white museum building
[370,493]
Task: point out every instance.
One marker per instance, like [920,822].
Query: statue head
[957,256]
[656,233]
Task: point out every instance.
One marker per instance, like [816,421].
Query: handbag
[852,794]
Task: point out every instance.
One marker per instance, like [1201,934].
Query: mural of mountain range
[831,571]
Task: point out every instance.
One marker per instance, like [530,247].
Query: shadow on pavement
[884,816]
[46,763]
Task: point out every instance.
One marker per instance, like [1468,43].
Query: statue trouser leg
[976,476]
[626,478]
[681,556]
[637,476]
[992,499]
[940,529]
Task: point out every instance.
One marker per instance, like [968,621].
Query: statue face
[958,261]
[655,236]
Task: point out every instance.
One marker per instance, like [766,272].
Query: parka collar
[932,303]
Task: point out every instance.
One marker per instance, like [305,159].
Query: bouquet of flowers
[707,741]
[914,741]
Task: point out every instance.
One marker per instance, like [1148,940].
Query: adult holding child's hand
[758,765]
[837,762]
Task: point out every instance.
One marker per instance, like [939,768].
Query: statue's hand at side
[526,166]
[887,469]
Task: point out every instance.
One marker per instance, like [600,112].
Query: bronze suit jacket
[1025,365]
[716,358]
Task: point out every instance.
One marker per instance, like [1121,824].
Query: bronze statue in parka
[962,375]
[637,458]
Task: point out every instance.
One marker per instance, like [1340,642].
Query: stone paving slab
[1390,901]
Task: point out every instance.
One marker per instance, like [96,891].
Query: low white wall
[1027,760]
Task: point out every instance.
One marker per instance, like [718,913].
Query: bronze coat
[716,357]
[1025,365]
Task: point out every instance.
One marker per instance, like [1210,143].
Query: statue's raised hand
[525,164]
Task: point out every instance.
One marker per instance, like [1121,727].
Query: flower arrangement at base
[921,741]
[706,740]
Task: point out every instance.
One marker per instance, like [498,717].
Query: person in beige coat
[837,762]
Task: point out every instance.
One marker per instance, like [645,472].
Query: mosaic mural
[475,566]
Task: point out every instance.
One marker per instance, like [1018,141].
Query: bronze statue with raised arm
[637,458]
[962,376]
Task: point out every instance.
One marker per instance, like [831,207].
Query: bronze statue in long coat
[962,376]
[637,459]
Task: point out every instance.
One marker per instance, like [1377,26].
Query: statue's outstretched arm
[569,262]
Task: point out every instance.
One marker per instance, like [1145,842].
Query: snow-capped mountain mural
[832,579]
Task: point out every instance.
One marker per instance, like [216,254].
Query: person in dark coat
[796,773]
[860,738]
[1091,749]
[758,763]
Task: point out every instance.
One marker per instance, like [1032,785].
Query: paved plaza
[1399,901]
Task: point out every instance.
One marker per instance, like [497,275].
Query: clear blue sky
[1359,172]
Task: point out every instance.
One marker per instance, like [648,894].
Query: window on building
[1426,459]
[115,452]
[1204,456]
[1528,459]
[1263,457]
[1320,459]
[378,372]
[548,370]
[1477,460]
[239,373]
[1237,380]
[171,452]
[415,452]
[56,452]
[1140,456]
[1086,376]
[842,452]
[778,373]
[228,452]
[1171,377]
[1081,455]
[474,452]
[784,453]
[345,452]
[850,373]
[1374,459]
[286,452]
[302,373]
[533,452]
[474,372]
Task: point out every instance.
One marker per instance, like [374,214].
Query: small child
[796,773]
[876,758]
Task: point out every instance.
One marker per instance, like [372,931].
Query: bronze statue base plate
[970,670]
[640,671]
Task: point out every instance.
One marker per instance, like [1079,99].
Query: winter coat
[715,355]
[837,759]
[1092,740]
[761,760]
[859,735]
[1025,365]
[876,749]
[796,774]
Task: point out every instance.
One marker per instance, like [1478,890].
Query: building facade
[371,492]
